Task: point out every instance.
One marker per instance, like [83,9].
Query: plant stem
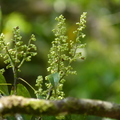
[27,84]
[21,63]
[49,93]
[23,60]
[15,80]
[14,69]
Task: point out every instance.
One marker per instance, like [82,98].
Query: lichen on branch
[21,105]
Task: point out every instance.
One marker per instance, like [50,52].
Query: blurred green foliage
[99,74]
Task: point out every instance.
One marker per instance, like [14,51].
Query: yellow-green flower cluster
[39,82]
[57,54]
[15,56]
[76,44]
[63,52]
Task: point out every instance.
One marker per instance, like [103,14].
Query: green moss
[41,106]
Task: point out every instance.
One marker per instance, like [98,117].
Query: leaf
[40,97]
[26,117]
[10,118]
[3,88]
[54,79]
[22,91]
[48,118]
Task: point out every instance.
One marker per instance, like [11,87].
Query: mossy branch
[17,104]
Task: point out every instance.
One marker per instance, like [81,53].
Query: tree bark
[17,104]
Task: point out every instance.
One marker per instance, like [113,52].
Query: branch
[18,104]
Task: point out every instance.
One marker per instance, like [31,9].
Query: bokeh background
[99,74]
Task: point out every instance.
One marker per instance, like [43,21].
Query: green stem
[5,84]
[49,93]
[27,84]
[7,51]
[13,68]
[69,62]
[15,80]
[22,61]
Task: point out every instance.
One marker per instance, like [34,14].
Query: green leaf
[3,85]
[54,79]
[40,97]
[22,91]
[10,117]
[26,117]
[48,118]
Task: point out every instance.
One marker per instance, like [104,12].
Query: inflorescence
[62,53]
[16,55]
